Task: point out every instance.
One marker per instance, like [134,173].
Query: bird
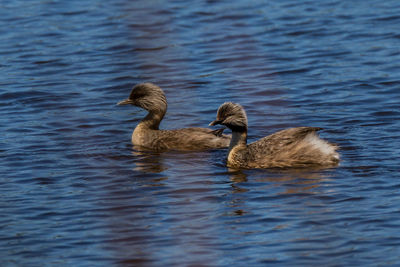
[147,134]
[298,147]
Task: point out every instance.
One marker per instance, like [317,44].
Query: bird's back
[185,139]
[294,147]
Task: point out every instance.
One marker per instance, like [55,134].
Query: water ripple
[75,192]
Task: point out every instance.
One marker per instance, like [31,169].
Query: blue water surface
[73,191]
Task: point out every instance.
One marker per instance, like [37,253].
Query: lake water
[73,191]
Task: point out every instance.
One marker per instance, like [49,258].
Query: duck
[298,147]
[147,134]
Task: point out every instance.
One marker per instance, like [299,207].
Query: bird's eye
[137,95]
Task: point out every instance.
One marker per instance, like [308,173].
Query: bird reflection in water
[294,180]
[148,161]
[275,184]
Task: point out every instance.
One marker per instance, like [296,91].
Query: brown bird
[148,135]
[294,147]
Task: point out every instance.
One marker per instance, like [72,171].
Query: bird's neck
[152,120]
[239,137]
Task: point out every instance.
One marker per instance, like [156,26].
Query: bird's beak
[125,102]
[213,123]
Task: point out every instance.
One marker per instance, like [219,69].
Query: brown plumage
[295,147]
[148,135]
